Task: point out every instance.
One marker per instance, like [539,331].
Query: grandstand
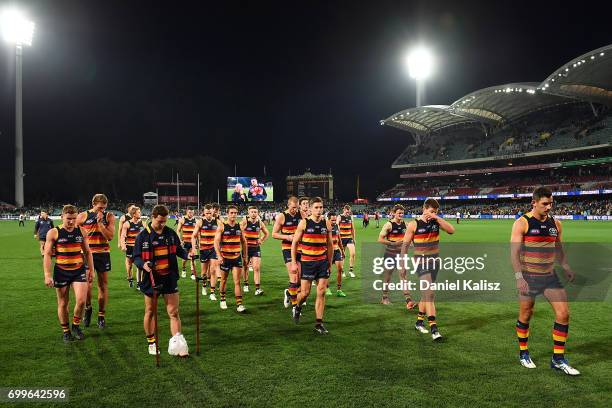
[499,142]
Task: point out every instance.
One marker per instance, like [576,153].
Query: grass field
[372,357]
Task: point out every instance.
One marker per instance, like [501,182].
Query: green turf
[371,358]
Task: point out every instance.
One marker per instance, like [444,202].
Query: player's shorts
[254,251]
[228,264]
[428,266]
[538,283]
[346,241]
[42,239]
[129,251]
[207,255]
[187,246]
[287,256]
[63,278]
[102,261]
[313,270]
[337,256]
[167,284]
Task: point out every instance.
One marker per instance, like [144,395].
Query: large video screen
[249,189]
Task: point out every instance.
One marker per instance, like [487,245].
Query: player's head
[292,204]
[190,213]
[315,205]
[216,208]
[304,204]
[159,215]
[134,212]
[238,188]
[99,202]
[332,217]
[207,211]
[254,182]
[253,212]
[69,216]
[130,205]
[431,206]
[398,211]
[346,210]
[232,212]
[542,200]
[43,214]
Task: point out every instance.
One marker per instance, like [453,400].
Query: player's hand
[100,217]
[294,267]
[48,281]
[246,262]
[427,217]
[569,274]
[522,286]
[220,259]
[89,275]
[259,242]
[147,267]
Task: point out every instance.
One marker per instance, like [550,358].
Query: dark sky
[289,85]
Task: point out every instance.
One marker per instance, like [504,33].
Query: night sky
[288,85]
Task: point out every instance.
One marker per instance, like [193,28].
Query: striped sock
[238,300]
[76,320]
[522,332]
[257,286]
[212,289]
[151,339]
[421,319]
[339,286]
[101,313]
[559,339]
[433,326]
[222,296]
[293,291]
[319,321]
[65,328]
[246,283]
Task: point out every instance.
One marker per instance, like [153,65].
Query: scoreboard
[311,185]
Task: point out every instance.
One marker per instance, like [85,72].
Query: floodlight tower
[17,30]
[420,65]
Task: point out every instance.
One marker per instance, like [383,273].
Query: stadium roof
[426,119]
[505,103]
[588,77]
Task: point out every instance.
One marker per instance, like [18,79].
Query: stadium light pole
[420,64]
[17,30]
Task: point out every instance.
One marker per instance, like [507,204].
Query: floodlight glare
[16,29]
[420,63]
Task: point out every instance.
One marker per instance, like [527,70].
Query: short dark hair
[346,207]
[215,206]
[331,214]
[398,207]
[159,209]
[314,200]
[130,205]
[431,203]
[302,199]
[208,207]
[231,207]
[69,209]
[541,192]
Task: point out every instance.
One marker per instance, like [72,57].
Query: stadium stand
[502,141]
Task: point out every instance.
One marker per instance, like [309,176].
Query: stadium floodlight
[18,30]
[420,66]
